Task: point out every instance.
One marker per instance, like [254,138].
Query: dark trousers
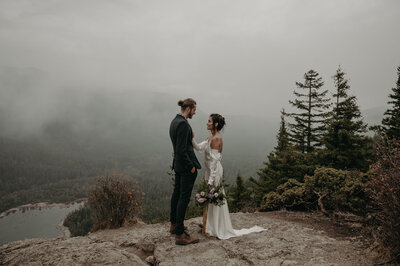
[180,198]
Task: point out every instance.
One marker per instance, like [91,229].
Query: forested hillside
[36,170]
[82,139]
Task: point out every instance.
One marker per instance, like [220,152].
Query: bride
[218,220]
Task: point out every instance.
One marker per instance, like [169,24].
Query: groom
[185,165]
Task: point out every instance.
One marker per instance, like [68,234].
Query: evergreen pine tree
[391,120]
[283,163]
[346,146]
[238,195]
[283,136]
[308,125]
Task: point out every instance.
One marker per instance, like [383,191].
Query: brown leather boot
[185,239]
[172,229]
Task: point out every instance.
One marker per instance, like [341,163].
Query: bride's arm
[213,172]
[215,157]
[199,146]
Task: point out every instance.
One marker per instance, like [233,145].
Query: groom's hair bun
[217,118]
[189,102]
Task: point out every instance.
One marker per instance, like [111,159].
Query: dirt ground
[337,228]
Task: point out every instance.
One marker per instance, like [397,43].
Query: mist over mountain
[123,122]
[56,139]
[119,122]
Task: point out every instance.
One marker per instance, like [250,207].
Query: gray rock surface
[284,243]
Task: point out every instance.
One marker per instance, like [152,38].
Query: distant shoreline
[39,206]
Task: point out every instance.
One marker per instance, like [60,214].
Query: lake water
[33,223]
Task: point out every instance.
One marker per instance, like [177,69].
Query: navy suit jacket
[180,133]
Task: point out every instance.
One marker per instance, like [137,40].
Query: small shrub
[385,191]
[292,193]
[271,201]
[341,190]
[114,200]
[289,195]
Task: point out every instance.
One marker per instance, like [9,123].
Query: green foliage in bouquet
[206,194]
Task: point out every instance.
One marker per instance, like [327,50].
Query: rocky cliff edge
[285,242]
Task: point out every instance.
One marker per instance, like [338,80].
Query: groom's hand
[193,169]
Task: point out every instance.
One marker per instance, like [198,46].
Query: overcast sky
[233,57]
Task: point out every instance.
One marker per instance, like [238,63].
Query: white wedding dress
[218,219]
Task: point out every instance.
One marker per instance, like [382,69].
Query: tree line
[325,160]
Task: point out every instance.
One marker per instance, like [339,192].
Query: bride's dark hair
[217,118]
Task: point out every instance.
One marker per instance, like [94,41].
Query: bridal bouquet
[214,195]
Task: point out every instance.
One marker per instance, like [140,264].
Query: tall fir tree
[238,195]
[283,136]
[391,120]
[283,163]
[308,125]
[346,146]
